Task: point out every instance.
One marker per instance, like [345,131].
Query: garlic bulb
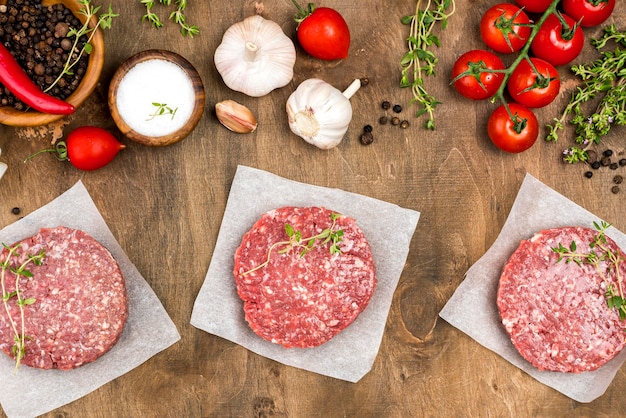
[255,57]
[319,113]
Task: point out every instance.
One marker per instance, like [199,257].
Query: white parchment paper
[473,310]
[149,329]
[388,227]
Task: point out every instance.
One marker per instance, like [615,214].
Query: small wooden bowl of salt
[156,97]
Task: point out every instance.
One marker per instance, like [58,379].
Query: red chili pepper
[17,81]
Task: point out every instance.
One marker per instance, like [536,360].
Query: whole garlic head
[255,57]
[319,113]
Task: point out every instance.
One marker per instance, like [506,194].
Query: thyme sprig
[304,245]
[177,16]
[103,21]
[419,61]
[599,253]
[161,110]
[19,332]
[604,83]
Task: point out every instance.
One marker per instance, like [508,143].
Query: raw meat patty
[557,313]
[303,301]
[80,300]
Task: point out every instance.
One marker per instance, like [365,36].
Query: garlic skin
[255,57]
[319,113]
[3,167]
[236,117]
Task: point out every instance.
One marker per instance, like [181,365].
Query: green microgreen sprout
[304,245]
[603,84]
[162,109]
[19,332]
[103,21]
[177,16]
[419,61]
[598,254]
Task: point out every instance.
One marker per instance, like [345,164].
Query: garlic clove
[3,168]
[236,117]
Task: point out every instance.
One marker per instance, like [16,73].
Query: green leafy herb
[603,85]
[162,109]
[419,61]
[19,332]
[177,16]
[599,253]
[103,21]
[304,245]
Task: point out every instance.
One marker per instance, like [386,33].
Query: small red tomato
[505,28]
[515,132]
[90,147]
[477,74]
[534,6]
[322,32]
[534,87]
[589,12]
[556,43]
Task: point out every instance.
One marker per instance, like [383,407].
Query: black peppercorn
[365,81]
[613,166]
[615,189]
[618,179]
[595,165]
[15,211]
[366,138]
[404,124]
[607,153]
[588,174]
[395,121]
[383,120]
[605,161]
[622,162]
[367,128]
[386,105]
[397,108]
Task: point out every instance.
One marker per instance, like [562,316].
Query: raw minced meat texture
[556,313]
[303,300]
[80,306]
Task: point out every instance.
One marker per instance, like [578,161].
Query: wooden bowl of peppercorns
[40,39]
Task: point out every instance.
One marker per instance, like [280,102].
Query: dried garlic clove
[235,116]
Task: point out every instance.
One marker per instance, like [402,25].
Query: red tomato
[534,87]
[557,44]
[534,6]
[90,147]
[505,28]
[322,32]
[515,134]
[473,74]
[592,12]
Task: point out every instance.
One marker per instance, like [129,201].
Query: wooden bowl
[14,117]
[198,97]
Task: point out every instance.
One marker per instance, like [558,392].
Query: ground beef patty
[303,300]
[557,313]
[80,303]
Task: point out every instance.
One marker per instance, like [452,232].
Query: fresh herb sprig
[103,21]
[304,245]
[419,61]
[603,79]
[19,332]
[177,16]
[599,253]
[161,110]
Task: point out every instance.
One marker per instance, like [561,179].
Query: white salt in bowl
[156,97]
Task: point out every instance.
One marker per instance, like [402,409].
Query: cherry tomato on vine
[534,6]
[589,12]
[515,132]
[322,32]
[534,87]
[556,43]
[90,147]
[505,28]
[473,74]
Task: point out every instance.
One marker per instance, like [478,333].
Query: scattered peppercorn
[595,165]
[366,138]
[613,166]
[383,120]
[618,179]
[404,124]
[386,105]
[395,121]
[397,108]
[607,153]
[365,81]
[605,161]
[15,211]
[622,162]
[615,189]
[367,128]
[588,174]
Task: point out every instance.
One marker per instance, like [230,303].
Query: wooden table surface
[165,205]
